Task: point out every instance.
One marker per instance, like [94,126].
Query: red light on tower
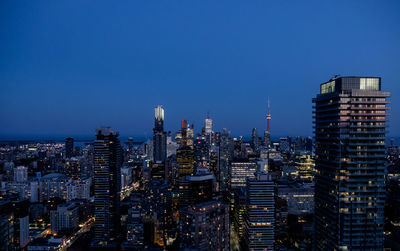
[268,117]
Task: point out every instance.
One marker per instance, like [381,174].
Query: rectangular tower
[69,147]
[350,125]
[208,125]
[259,218]
[107,187]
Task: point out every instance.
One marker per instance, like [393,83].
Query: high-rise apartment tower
[107,187]
[350,125]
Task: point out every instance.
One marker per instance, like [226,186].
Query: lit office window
[328,87]
[371,84]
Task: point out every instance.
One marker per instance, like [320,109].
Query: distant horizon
[136,138]
[85,137]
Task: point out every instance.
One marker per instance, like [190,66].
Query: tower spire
[268,117]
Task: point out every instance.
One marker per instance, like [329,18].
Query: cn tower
[267,136]
[268,118]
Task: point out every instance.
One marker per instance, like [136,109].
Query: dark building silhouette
[350,124]
[184,133]
[107,188]
[69,147]
[130,145]
[255,140]
[196,188]
[7,224]
[158,170]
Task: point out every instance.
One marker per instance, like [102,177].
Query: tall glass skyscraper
[107,187]
[159,135]
[208,125]
[350,125]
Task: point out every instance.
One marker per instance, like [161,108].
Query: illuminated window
[328,87]
[369,84]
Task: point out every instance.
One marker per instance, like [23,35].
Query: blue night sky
[68,67]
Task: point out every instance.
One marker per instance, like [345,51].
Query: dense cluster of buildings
[209,190]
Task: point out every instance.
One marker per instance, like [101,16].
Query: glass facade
[350,157]
[371,84]
[328,87]
[351,83]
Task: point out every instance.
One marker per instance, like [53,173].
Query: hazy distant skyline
[69,67]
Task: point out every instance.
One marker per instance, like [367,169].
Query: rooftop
[347,83]
[106,131]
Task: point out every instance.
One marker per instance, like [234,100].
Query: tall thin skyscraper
[107,187]
[69,147]
[226,155]
[208,125]
[184,133]
[130,145]
[350,122]
[259,218]
[159,135]
[208,129]
[255,141]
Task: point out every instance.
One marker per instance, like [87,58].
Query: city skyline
[200,125]
[206,191]
[55,76]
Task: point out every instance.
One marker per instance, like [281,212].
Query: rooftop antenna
[335,77]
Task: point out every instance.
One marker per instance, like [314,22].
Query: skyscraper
[159,135]
[130,145]
[201,151]
[135,227]
[107,187]
[184,127]
[187,133]
[208,129]
[20,209]
[267,133]
[196,188]
[259,218]
[185,159]
[208,125]
[225,154]
[158,170]
[255,141]
[7,226]
[284,145]
[350,122]
[69,147]
[241,169]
